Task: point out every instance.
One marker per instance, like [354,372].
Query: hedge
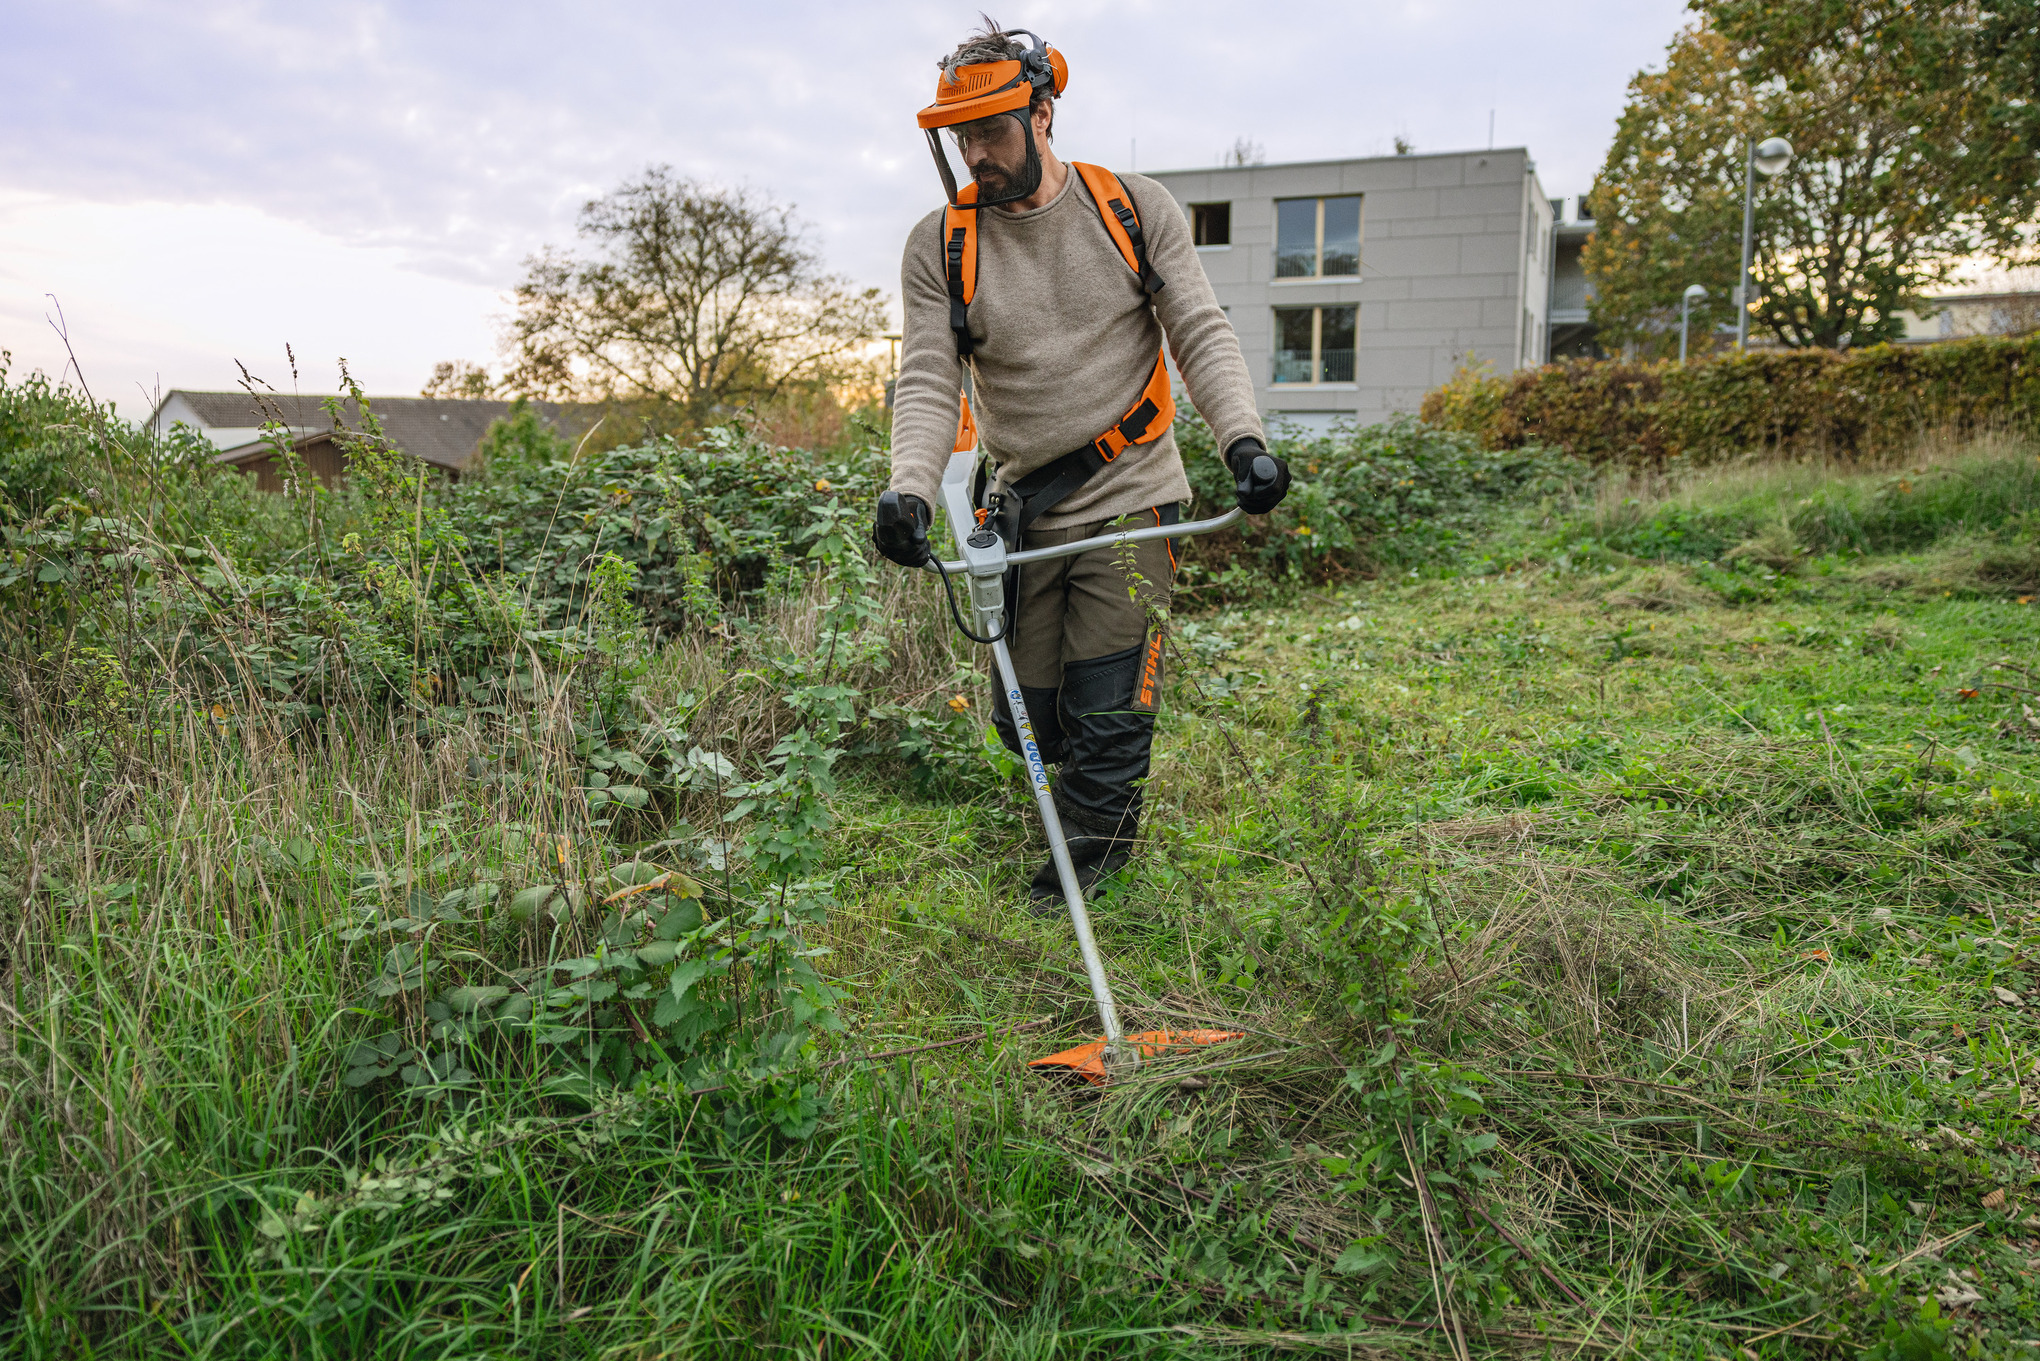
[1841,403]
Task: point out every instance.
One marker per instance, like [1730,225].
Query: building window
[1315,344]
[1317,238]
[1211,224]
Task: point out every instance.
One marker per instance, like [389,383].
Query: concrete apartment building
[1357,286]
[1569,332]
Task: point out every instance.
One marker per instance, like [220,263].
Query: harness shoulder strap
[1041,490]
[959,266]
[1122,224]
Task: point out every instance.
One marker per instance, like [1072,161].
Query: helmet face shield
[997,155]
[981,126]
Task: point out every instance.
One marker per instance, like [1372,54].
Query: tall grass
[1943,488]
[1608,985]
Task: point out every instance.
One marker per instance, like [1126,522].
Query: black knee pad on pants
[1041,713]
[1108,738]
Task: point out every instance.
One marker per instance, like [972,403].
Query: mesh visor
[1002,146]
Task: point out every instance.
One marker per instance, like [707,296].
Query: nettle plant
[701,980]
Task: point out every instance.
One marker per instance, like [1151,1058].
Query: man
[1054,293]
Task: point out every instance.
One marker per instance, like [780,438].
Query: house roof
[440,430]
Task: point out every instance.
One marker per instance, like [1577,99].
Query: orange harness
[1151,413]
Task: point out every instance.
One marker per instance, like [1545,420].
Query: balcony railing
[1295,366]
[1292,366]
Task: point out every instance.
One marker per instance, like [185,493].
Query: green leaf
[671,1009]
[658,952]
[527,902]
[1360,1259]
[685,975]
[472,999]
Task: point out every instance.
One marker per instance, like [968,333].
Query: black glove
[1260,479]
[901,531]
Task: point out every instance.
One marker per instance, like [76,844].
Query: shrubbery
[1363,498]
[152,596]
[1849,403]
[720,515]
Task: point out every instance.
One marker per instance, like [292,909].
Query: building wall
[322,458]
[1453,267]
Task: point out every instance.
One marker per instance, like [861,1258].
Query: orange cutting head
[1087,1061]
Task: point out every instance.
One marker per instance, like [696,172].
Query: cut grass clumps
[1664,590]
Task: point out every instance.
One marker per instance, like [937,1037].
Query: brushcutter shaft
[984,564]
[1065,869]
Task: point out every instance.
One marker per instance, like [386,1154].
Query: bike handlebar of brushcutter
[1125,536]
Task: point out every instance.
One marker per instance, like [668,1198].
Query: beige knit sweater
[1066,340]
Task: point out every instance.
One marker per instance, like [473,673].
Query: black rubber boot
[1096,858]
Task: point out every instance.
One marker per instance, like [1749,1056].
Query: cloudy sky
[199,182]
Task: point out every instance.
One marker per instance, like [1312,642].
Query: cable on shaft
[957,614]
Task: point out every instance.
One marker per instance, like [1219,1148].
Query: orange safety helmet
[986,89]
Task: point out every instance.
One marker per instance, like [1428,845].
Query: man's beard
[991,179]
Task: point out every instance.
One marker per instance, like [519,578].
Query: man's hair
[990,43]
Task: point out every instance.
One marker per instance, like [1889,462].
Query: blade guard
[1087,1061]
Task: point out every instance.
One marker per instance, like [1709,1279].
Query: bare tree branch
[690,301]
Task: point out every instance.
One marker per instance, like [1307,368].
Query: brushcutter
[984,564]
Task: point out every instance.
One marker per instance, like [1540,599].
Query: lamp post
[1693,294]
[893,366]
[1766,158]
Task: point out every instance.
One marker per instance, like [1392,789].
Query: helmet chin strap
[1030,172]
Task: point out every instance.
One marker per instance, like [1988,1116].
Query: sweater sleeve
[925,398]
[1201,339]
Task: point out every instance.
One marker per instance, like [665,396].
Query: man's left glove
[901,531]
[1260,479]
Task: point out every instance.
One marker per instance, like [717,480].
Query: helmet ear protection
[987,89]
[1042,64]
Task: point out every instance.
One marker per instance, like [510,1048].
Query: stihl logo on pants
[1148,665]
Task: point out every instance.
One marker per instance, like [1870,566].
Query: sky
[197,185]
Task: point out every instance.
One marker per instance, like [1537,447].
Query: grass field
[1628,922]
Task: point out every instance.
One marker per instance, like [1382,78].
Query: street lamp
[893,367]
[1693,294]
[1766,158]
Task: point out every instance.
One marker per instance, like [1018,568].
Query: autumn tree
[459,378]
[1879,203]
[1965,73]
[686,303]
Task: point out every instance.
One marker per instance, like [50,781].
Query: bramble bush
[1361,499]
[521,610]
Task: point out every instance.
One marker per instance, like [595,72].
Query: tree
[1969,70]
[691,302]
[1878,204]
[458,378]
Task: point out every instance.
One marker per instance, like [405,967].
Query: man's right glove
[1260,479]
[901,531]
